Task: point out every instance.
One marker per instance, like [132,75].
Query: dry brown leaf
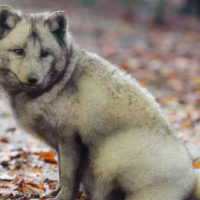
[4,139]
[48,156]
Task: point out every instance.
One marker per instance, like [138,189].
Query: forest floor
[164,59]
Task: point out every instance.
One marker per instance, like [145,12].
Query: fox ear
[58,24]
[8,20]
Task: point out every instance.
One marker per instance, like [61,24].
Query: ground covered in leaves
[164,59]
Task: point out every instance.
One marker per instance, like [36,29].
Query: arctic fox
[108,131]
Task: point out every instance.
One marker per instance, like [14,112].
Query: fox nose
[32,80]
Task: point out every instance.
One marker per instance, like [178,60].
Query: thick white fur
[143,150]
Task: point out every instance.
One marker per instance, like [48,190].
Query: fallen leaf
[39,186]
[30,188]
[4,139]
[48,156]
[51,183]
[196,164]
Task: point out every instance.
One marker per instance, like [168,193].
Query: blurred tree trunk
[159,17]
[192,7]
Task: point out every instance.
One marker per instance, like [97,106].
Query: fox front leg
[68,159]
[58,187]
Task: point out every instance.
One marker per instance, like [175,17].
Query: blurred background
[156,41]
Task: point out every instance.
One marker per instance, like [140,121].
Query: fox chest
[41,120]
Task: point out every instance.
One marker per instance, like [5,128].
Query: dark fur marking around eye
[56,77]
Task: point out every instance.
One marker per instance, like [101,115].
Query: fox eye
[44,54]
[19,52]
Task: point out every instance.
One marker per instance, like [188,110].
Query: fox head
[33,48]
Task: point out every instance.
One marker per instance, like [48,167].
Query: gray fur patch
[34,35]
[82,151]
[45,130]
[116,193]
[72,83]
[5,25]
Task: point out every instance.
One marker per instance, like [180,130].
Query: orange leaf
[39,186]
[196,164]
[186,125]
[21,186]
[51,183]
[48,157]
[4,139]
